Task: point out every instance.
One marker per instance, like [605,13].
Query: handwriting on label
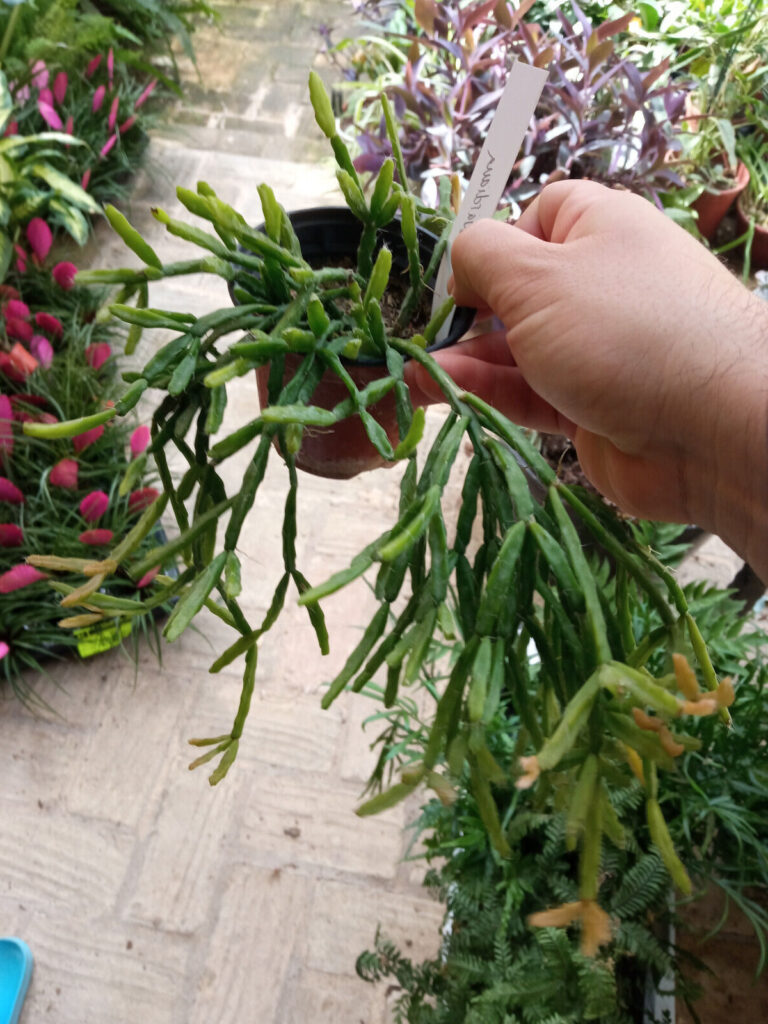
[495,162]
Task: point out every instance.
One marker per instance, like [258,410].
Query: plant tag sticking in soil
[494,164]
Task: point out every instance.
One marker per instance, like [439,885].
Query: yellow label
[102,637]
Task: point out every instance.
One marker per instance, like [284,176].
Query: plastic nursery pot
[329,235]
[712,206]
[759,250]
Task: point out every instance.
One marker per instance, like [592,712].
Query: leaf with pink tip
[42,350]
[20,576]
[88,437]
[96,538]
[60,87]
[10,492]
[64,275]
[142,499]
[40,237]
[49,115]
[11,535]
[97,354]
[139,440]
[64,474]
[94,505]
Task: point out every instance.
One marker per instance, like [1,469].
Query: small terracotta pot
[712,206]
[344,450]
[759,251]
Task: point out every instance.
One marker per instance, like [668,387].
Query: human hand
[626,334]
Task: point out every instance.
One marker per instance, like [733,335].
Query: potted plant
[610,698]
[710,164]
[752,204]
[725,83]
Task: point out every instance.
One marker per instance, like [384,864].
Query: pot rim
[463,316]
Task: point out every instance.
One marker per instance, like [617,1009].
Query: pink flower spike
[21,259]
[112,119]
[60,87]
[147,578]
[64,275]
[12,128]
[98,98]
[20,576]
[94,505]
[95,537]
[110,66]
[141,499]
[42,350]
[108,145]
[40,74]
[6,429]
[4,649]
[46,96]
[18,329]
[81,441]
[85,180]
[49,115]
[64,474]
[10,492]
[139,440]
[127,124]
[96,355]
[39,237]
[11,535]
[50,324]
[93,63]
[145,94]
[69,125]
[17,308]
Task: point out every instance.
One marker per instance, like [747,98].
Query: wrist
[729,473]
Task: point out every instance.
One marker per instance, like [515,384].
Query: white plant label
[494,164]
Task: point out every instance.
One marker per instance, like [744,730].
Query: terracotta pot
[344,450]
[759,251]
[713,206]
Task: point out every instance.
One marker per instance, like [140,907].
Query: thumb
[424,389]
[495,265]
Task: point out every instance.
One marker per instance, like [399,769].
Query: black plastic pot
[329,235]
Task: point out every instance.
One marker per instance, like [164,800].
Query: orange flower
[698,703]
[595,923]
[531,771]
[687,682]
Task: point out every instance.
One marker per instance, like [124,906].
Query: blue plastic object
[15,972]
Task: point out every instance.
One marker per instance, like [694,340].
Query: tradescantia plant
[593,714]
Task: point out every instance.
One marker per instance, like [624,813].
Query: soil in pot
[329,237]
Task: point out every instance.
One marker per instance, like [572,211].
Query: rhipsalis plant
[595,715]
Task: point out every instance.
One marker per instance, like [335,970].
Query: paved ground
[144,894]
